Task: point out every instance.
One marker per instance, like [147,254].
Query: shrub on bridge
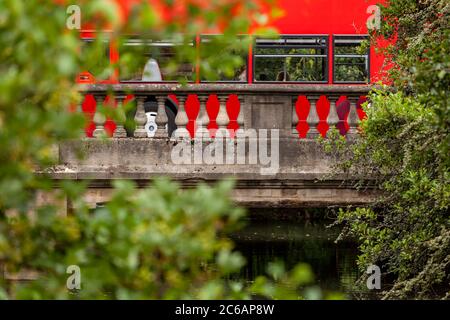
[404,145]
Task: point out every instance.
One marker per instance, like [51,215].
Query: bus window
[235,48]
[95,59]
[351,60]
[171,66]
[291,59]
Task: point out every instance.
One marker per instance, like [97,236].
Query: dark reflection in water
[304,240]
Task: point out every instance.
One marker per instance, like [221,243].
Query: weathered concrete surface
[304,177]
[266,89]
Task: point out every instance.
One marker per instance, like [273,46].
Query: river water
[299,239]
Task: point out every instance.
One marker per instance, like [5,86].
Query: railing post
[79,109]
[121,118]
[99,117]
[79,105]
[353,119]
[333,118]
[140,118]
[240,117]
[161,118]
[295,119]
[181,120]
[202,121]
[313,117]
[222,119]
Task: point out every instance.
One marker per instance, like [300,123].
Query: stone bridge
[273,166]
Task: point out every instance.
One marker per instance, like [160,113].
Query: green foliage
[415,29]
[37,65]
[158,243]
[233,51]
[400,150]
[39,60]
[419,36]
[403,150]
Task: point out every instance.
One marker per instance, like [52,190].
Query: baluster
[79,105]
[333,118]
[353,118]
[294,115]
[79,109]
[222,119]
[161,118]
[121,118]
[313,117]
[181,120]
[140,118]
[202,118]
[99,117]
[240,117]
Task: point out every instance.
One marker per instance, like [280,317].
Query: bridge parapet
[272,165]
[289,108]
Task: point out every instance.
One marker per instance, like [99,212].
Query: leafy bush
[401,148]
[403,151]
[159,242]
[156,243]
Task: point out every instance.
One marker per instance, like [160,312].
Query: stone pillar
[294,115]
[181,120]
[79,105]
[121,118]
[202,121]
[353,119]
[161,118]
[313,118]
[222,119]
[333,118]
[140,118]
[240,117]
[99,117]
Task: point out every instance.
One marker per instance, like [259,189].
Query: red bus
[319,43]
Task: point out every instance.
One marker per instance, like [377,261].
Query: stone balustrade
[261,106]
[289,169]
